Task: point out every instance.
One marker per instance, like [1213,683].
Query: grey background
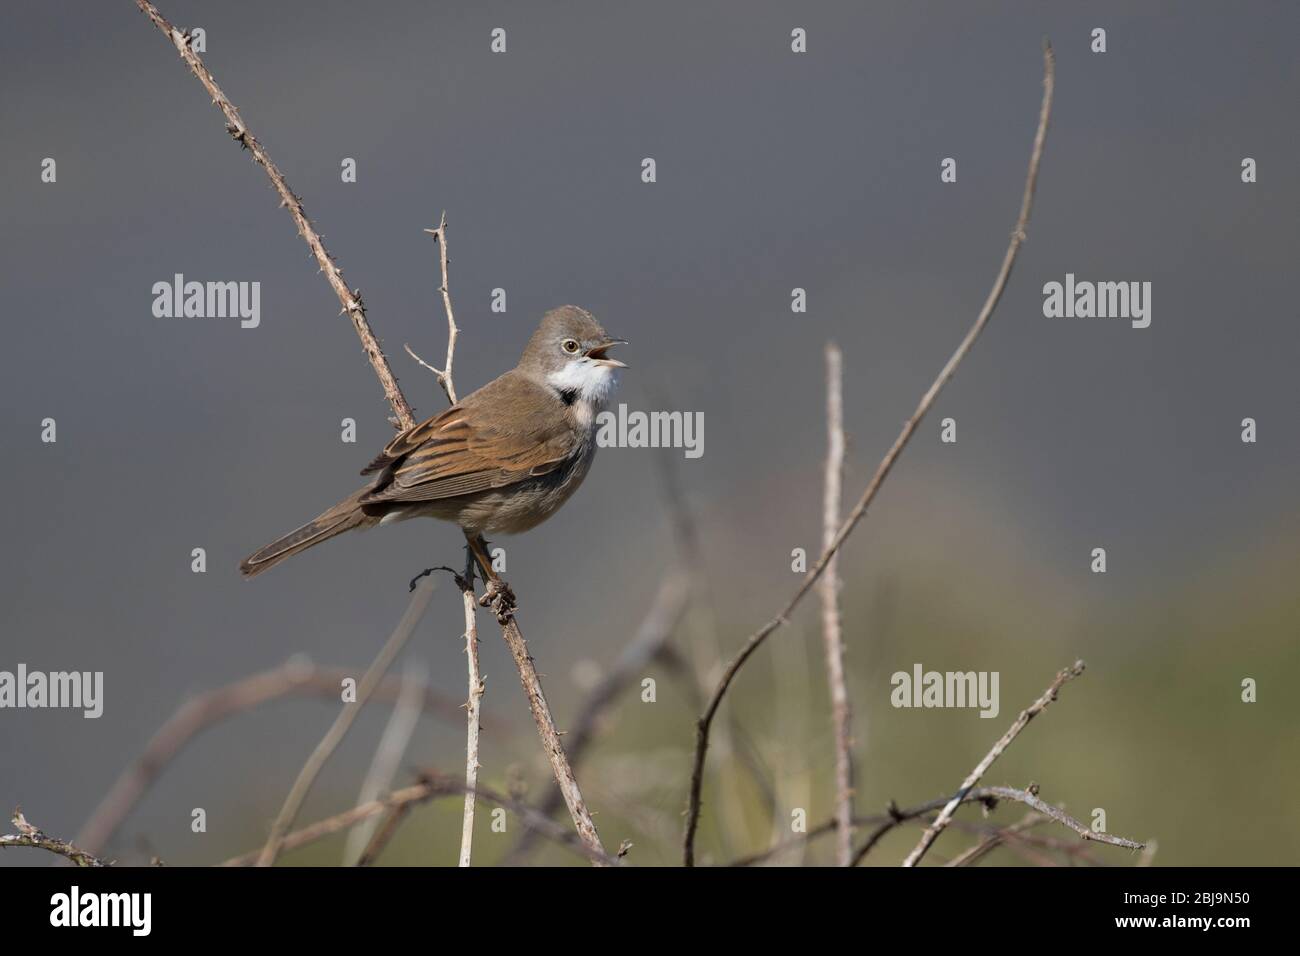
[774,171]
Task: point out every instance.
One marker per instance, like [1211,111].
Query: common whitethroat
[501,460]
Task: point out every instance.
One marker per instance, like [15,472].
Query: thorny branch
[350,299]
[355,309]
[295,677]
[473,703]
[982,767]
[465,582]
[444,375]
[989,797]
[33,836]
[429,787]
[650,642]
[882,470]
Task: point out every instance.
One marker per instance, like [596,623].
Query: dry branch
[465,582]
[420,598]
[989,796]
[702,649]
[350,299]
[882,470]
[444,375]
[976,852]
[649,643]
[429,787]
[355,309]
[832,636]
[295,677]
[388,755]
[472,706]
[1029,798]
[385,833]
[982,767]
[32,836]
[541,711]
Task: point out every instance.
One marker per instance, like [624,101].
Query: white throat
[593,382]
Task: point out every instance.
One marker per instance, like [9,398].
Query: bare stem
[1049,695]
[444,374]
[976,852]
[988,796]
[388,755]
[427,789]
[32,836]
[650,641]
[472,705]
[504,605]
[350,299]
[882,470]
[297,676]
[420,598]
[829,587]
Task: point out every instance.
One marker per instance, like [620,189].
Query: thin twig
[651,638]
[388,755]
[502,600]
[383,834]
[703,647]
[32,836]
[420,598]
[795,842]
[349,298]
[1074,849]
[353,306]
[1029,798]
[1004,741]
[989,796]
[444,375]
[295,677]
[882,470]
[976,852]
[472,705]
[447,380]
[832,636]
[430,787]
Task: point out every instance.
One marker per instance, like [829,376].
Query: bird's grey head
[569,353]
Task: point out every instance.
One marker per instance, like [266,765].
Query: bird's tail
[344,516]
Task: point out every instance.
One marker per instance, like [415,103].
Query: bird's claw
[498,596]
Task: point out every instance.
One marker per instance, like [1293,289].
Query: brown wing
[411,439]
[459,451]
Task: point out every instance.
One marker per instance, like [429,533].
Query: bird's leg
[497,593]
[466,580]
[428,571]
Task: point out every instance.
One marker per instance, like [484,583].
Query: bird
[501,460]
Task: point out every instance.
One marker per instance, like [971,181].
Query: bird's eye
[569,345]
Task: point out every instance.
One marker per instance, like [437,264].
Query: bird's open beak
[598,353]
